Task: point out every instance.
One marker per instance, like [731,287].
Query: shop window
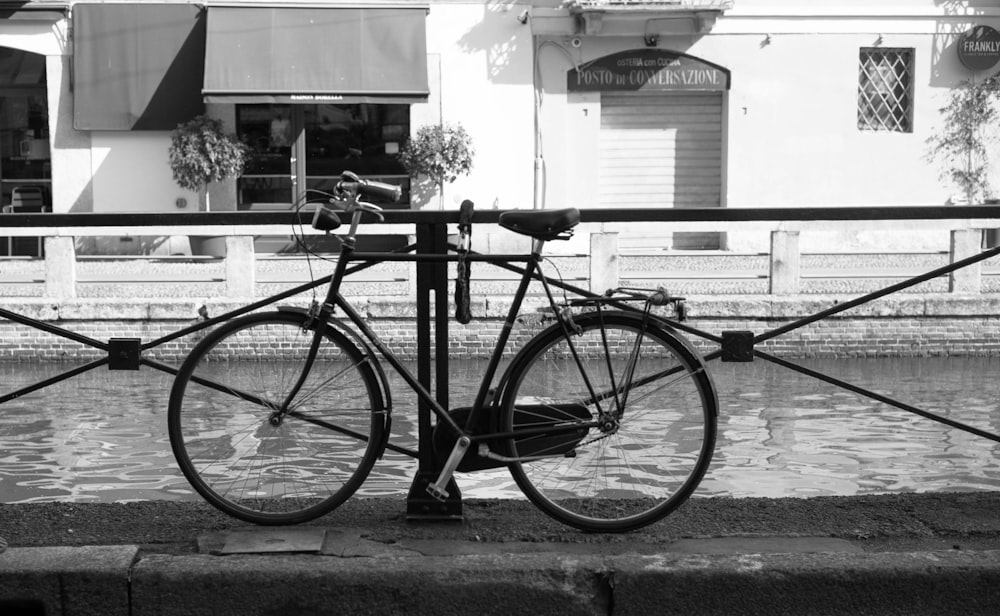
[885,90]
[266,182]
[363,138]
[298,148]
[25,159]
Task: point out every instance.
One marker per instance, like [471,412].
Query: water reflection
[102,436]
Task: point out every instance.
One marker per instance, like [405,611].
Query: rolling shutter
[663,149]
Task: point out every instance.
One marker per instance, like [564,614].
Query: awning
[34,10]
[307,55]
[137,66]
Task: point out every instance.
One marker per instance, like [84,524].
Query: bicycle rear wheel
[239,455]
[658,422]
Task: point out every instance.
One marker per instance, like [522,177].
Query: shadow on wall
[160,246]
[114,245]
[423,192]
[945,64]
[497,35]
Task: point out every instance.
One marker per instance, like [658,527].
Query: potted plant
[440,153]
[962,146]
[201,152]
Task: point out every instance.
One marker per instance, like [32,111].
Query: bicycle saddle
[542,224]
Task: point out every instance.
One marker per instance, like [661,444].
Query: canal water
[102,436]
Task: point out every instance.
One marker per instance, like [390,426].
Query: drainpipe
[539,201]
[539,178]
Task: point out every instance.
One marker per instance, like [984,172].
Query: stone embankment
[903,325]
[894,554]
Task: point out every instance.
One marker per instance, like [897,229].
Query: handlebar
[351,184]
[349,192]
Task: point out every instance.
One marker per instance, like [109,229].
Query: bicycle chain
[594,440]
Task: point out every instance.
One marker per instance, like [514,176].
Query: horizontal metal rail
[588,215]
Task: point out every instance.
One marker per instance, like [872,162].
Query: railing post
[411,272]
[241,266]
[786,271]
[604,261]
[965,243]
[60,268]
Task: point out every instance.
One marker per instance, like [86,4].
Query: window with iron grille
[885,90]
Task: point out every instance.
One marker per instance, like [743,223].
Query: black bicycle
[606,417]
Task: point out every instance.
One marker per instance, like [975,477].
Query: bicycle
[606,418]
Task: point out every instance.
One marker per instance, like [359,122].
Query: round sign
[979,48]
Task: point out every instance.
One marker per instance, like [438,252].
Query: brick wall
[877,333]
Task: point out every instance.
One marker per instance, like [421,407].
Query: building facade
[678,103]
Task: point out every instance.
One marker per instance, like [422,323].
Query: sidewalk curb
[66,580]
[113,580]
[795,584]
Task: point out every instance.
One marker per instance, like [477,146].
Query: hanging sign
[647,70]
[979,48]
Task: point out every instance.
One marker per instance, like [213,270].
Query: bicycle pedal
[437,493]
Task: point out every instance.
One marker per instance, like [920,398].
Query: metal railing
[431,231]
[60,276]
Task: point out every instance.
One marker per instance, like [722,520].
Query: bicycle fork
[320,314]
[278,415]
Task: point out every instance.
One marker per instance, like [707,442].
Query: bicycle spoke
[625,473]
[268,468]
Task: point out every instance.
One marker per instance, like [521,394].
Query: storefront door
[300,150]
[25,159]
[662,132]
[663,149]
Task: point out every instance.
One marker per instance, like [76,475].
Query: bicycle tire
[221,406]
[629,476]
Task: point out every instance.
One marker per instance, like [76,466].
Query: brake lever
[371,208]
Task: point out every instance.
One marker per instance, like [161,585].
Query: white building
[678,103]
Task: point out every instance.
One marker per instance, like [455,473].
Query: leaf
[441,152]
[967,138]
[201,152]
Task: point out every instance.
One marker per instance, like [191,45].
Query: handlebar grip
[380,190]
[369,189]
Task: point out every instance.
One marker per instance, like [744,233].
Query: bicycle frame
[474,431]
[335,300]
[467,434]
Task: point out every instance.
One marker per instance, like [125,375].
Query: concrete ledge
[496,307]
[438,586]
[946,582]
[951,582]
[912,553]
[66,580]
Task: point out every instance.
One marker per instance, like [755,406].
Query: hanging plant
[439,152]
[201,152]
[963,145]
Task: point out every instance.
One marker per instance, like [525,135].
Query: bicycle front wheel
[622,414]
[254,463]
